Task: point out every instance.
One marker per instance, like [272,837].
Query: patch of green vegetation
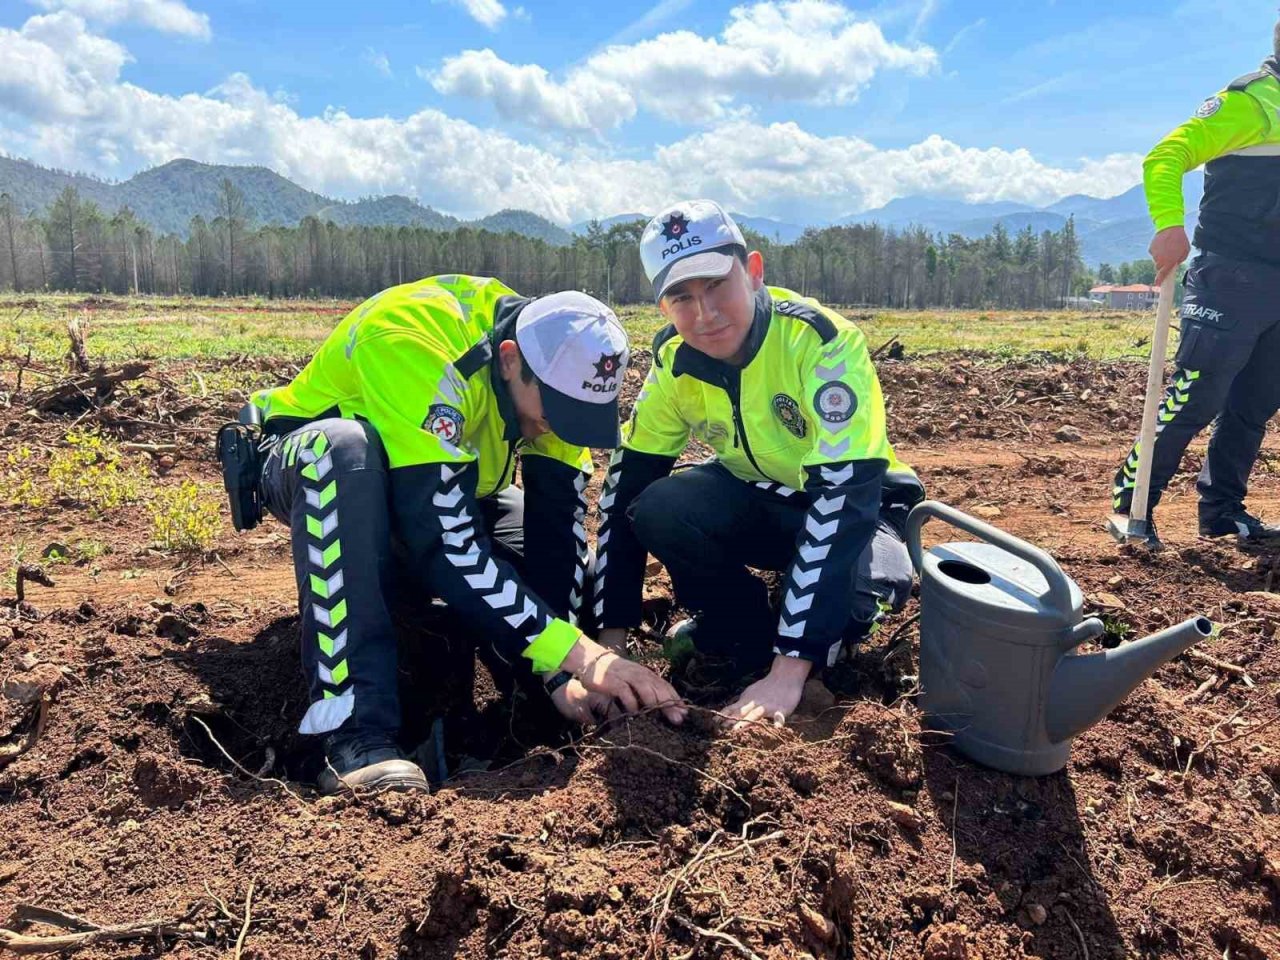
[91,470]
[183,520]
[207,328]
[88,470]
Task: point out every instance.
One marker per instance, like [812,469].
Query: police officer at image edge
[1228,358]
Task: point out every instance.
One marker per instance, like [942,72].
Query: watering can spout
[1084,689]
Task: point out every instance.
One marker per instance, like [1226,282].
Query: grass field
[172,328]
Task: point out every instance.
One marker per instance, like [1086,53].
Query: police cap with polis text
[693,238]
[578,350]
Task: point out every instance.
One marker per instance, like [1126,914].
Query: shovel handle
[1059,586]
[1151,403]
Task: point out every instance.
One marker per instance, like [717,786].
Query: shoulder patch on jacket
[475,359]
[665,334]
[814,317]
[1209,107]
[1239,83]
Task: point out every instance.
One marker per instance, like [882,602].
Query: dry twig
[726,938]
[1222,665]
[85,933]
[248,915]
[1084,950]
[249,773]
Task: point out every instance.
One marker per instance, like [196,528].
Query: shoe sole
[395,785]
[1240,538]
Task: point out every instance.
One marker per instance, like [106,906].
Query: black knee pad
[353,444]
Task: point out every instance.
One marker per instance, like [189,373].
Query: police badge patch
[1209,108]
[445,422]
[788,411]
[835,402]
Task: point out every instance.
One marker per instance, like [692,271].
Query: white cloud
[63,103]
[53,68]
[488,13]
[582,103]
[814,51]
[168,16]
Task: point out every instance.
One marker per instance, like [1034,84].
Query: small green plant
[19,480]
[90,549]
[20,551]
[1115,631]
[91,470]
[184,521]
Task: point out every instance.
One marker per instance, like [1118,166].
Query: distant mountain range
[168,196]
[1111,230]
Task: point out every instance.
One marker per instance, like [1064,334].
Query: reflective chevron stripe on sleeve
[821,527]
[477,567]
[581,547]
[608,496]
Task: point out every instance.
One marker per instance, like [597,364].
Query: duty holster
[239,450]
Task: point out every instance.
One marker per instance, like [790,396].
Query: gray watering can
[998,623]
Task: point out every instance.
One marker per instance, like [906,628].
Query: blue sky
[799,109]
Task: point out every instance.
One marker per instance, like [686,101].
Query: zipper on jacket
[731,387]
[511,455]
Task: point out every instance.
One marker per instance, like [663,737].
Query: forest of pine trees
[76,247]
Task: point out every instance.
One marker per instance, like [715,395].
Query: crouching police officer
[804,479]
[405,427]
[1229,353]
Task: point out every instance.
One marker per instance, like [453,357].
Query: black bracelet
[557,681]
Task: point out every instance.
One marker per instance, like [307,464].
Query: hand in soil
[635,687]
[773,698]
[575,702]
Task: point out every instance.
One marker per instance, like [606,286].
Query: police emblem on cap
[788,411]
[607,366]
[445,422]
[675,226]
[835,402]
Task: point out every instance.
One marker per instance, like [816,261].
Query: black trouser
[1228,366]
[328,481]
[707,527]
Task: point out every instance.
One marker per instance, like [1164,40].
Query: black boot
[367,760]
[1238,523]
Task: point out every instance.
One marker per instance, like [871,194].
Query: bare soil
[149,768]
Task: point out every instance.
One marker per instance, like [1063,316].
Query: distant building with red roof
[1133,296]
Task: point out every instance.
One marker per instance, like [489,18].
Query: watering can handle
[1059,585]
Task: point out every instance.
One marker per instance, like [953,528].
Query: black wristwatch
[557,681]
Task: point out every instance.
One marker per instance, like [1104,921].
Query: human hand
[772,698]
[635,687]
[580,705]
[1168,249]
